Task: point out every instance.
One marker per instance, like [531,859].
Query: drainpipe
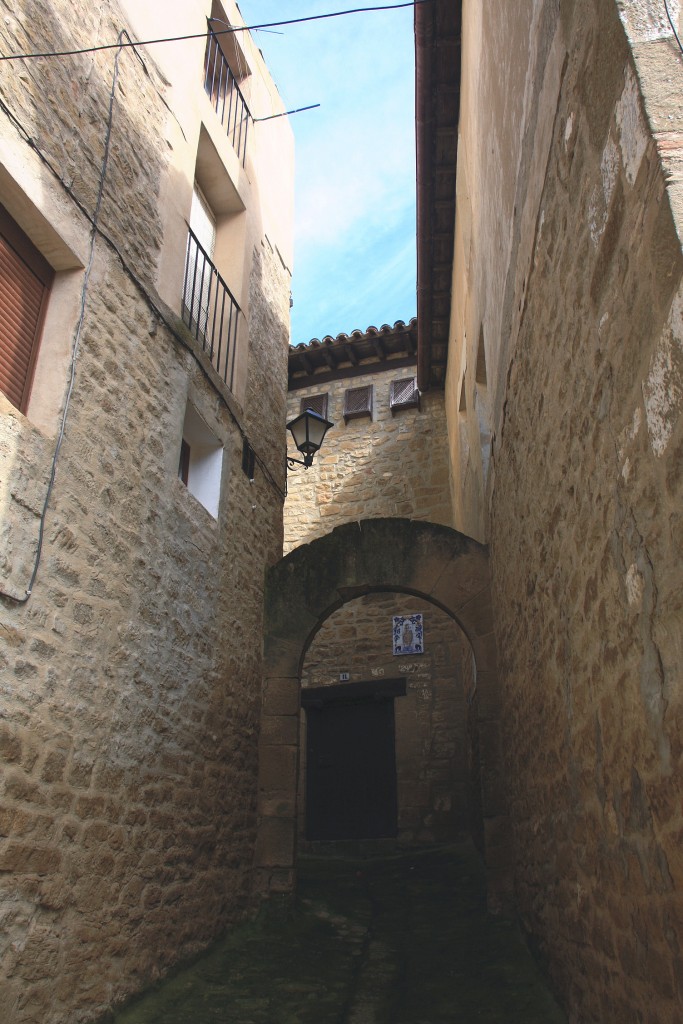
[424,35]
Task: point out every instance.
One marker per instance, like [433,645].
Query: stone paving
[403,939]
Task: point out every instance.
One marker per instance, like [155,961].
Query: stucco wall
[431,720]
[568,267]
[390,465]
[131,677]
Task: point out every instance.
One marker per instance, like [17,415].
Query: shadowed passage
[403,939]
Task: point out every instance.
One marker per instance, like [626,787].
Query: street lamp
[308,431]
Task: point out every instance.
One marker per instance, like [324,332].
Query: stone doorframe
[308,585]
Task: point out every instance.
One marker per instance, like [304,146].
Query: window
[225,65]
[26,279]
[201,461]
[357,402]
[248,459]
[199,263]
[184,463]
[481,405]
[209,308]
[316,403]
[403,394]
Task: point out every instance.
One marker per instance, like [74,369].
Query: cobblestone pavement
[398,940]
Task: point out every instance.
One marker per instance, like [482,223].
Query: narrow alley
[403,939]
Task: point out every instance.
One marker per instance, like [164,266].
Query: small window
[403,394]
[248,459]
[26,279]
[316,403]
[357,402]
[184,463]
[201,461]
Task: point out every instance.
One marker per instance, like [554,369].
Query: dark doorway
[351,761]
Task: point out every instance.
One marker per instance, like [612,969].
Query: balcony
[210,311]
[226,97]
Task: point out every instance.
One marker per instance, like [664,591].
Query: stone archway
[302,590]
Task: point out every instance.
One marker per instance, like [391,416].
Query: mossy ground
[399,940]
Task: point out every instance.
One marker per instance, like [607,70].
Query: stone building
[549,319]
[529,508]
[146,252]
[384,455]
[564,345]
[401,770]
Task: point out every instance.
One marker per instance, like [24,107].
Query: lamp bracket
[306,462]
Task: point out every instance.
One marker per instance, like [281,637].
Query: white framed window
[199,263]
[200,465]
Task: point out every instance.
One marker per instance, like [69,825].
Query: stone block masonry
[384,465]
[433,749]
[580,319]
[130,680]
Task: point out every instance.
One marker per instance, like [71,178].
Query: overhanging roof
[352,355]
[438,35]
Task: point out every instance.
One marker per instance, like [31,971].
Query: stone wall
[392,465]
[131,676]
[569,276]
[431,721]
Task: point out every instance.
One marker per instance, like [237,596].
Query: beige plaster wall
[568,266]
[390,465]
[130,679]
[431,720]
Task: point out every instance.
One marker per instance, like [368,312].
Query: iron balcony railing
[226,96]
[210,310]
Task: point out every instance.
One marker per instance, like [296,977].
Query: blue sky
[355,180]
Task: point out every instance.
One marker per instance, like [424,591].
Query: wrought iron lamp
[308,431]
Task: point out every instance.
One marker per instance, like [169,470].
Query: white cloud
[355,225]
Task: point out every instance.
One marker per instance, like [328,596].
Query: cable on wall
[673,27]
[79,327]
[95,232]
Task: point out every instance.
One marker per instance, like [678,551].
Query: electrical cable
[79,328]
[285,113]
[673,27]
[95,232]
[227,31]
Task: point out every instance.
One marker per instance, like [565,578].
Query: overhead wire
[124,41]
[285,113]
[226,31]
[95,232]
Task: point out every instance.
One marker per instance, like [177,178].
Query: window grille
[357,402]
[316,403]
[226,96]
[403,394]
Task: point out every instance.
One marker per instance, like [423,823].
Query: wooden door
[351,770]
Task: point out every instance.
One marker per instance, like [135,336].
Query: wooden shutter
[403,394]
[358,402]
[25,279]
[316,403]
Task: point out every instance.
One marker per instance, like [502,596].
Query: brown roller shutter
[25,279]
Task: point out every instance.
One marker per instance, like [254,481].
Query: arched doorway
[388,743]
[302,591]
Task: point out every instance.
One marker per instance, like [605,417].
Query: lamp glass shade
[308,431]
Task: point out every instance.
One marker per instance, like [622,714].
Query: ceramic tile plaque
[408,634]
